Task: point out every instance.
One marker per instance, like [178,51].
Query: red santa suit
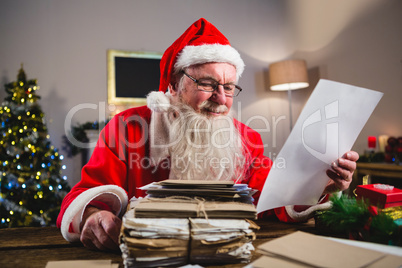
[125,158]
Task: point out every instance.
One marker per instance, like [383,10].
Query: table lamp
[288,75]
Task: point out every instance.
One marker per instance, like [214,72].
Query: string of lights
[31,182]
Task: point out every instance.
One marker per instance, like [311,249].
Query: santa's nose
[219,96]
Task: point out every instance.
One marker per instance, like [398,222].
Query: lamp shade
[288,75]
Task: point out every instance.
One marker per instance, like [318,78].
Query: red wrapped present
[380,195]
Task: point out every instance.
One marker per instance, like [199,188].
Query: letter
[332,132]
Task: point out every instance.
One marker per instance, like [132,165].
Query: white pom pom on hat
[158,101]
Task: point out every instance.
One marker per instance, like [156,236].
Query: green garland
[357,218]
[78,132]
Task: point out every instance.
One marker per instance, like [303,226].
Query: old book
[187,207]
[209,190]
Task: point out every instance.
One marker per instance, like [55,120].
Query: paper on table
[269,261]
[327,127]
[318,251]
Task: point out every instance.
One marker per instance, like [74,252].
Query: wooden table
[35,246]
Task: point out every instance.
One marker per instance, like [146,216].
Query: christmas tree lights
[31,182]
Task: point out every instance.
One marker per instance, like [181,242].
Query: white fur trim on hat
[158,101]
[112,195]
[191,55]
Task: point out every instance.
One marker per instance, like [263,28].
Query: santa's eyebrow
[213,79]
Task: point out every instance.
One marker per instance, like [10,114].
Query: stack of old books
[180,222]
[154,242]
[221,241]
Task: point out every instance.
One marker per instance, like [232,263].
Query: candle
[372,142]
[382,142]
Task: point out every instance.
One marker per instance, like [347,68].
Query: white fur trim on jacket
[308,213]
[158,101]
[191,55]
[159,104]
[114,196]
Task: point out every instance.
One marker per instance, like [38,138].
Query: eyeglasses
[210,85]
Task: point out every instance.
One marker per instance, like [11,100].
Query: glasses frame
[216,88]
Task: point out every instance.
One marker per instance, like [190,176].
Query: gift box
[380,195]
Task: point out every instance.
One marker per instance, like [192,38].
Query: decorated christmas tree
[31,182]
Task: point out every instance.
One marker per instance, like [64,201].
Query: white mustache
[213,107]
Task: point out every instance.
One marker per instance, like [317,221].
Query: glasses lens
[210,85]
[229,89]
[207,84]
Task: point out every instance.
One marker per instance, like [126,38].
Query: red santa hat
[201,43]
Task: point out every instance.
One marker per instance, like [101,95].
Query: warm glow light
[289,86]
[288,75]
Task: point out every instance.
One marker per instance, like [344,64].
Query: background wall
[63,44]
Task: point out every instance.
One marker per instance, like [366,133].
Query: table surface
[35,246]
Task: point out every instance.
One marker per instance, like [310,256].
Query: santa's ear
[173,89]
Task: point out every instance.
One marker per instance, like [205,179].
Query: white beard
[204,148]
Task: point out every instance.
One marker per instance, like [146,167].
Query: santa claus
[186,131]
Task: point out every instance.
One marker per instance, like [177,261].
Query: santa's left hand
[341,172]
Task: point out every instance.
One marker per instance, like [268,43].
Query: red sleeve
[106,166]
[282,215]
[258,164]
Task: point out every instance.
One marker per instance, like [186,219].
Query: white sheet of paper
[327,127]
